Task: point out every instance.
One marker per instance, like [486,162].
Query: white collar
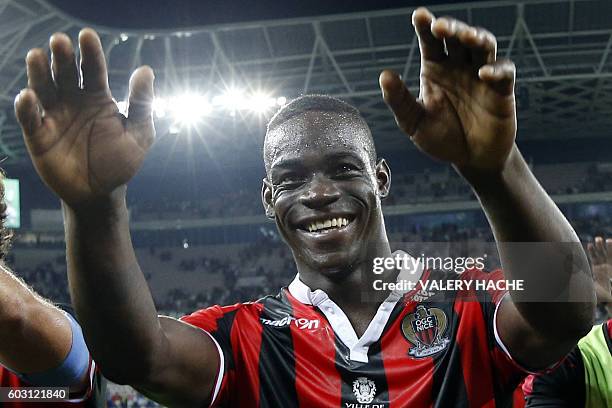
[339,321]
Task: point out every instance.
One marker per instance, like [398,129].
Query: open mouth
[327,225]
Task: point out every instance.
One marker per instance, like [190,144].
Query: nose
[320,192]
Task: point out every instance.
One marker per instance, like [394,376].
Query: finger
[432,49]
[39,77]
[484,48]
[140,101]
[595,253]
[602,293]
[63,63]
[28,114]
[447,29]
[608,245]
[93,63]
[407,110]
[500,75]
[601,249]
[591,252]
[140,106]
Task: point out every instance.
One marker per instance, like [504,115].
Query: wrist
[514,168]
[104,207]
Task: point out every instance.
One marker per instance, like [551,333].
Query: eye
[290,180]
[347,170]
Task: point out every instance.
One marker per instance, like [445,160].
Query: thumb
[500,75]
[140,100]
[29,117]
[140,107]
[407,110]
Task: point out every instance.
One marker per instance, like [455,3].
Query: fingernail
[487,70]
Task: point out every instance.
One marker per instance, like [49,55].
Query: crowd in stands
[259,268]
[410,188]
[47,278]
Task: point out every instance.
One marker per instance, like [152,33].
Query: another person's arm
[466,115]
[39,342]
[86,152]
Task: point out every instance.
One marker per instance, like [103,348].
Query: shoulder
[211,317]
[8,378]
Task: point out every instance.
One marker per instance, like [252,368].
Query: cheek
[365,191]
[282,203]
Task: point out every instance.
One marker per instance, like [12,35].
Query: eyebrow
[286,163]
[295,162]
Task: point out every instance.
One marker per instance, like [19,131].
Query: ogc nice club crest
[425,330]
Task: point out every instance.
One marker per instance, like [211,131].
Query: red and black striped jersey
[582,379]
[422,349]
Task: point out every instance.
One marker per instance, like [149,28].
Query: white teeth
[333,222]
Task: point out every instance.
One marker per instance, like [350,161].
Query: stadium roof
[561,48]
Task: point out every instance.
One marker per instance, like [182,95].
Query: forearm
[538,245]
[35,336]
[109,291]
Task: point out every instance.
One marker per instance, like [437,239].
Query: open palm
[81,146]
[465,113]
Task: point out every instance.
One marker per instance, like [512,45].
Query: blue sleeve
[71,370]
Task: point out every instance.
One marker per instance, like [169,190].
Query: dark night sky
[138,14]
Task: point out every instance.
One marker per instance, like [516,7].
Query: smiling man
[317,343]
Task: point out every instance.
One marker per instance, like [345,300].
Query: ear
[266,198]
[383,177]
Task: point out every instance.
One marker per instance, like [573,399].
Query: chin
[336,265]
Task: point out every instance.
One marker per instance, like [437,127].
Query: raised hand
[465,113]
[81,146]
[600,253]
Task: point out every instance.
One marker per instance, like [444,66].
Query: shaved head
[317,111]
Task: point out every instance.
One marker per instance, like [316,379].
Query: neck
[352,288]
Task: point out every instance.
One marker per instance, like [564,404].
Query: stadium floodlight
[174,129]
[231,100]
[234,100]
[260,102]
[188,109]
[160,107]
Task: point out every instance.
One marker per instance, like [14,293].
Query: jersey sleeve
[562,387]
[217,321]
[490,291]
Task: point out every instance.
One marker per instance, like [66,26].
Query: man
[584,379]
[41,345]
[316,343]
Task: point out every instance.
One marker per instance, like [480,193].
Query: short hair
[318,103]
[5,234]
